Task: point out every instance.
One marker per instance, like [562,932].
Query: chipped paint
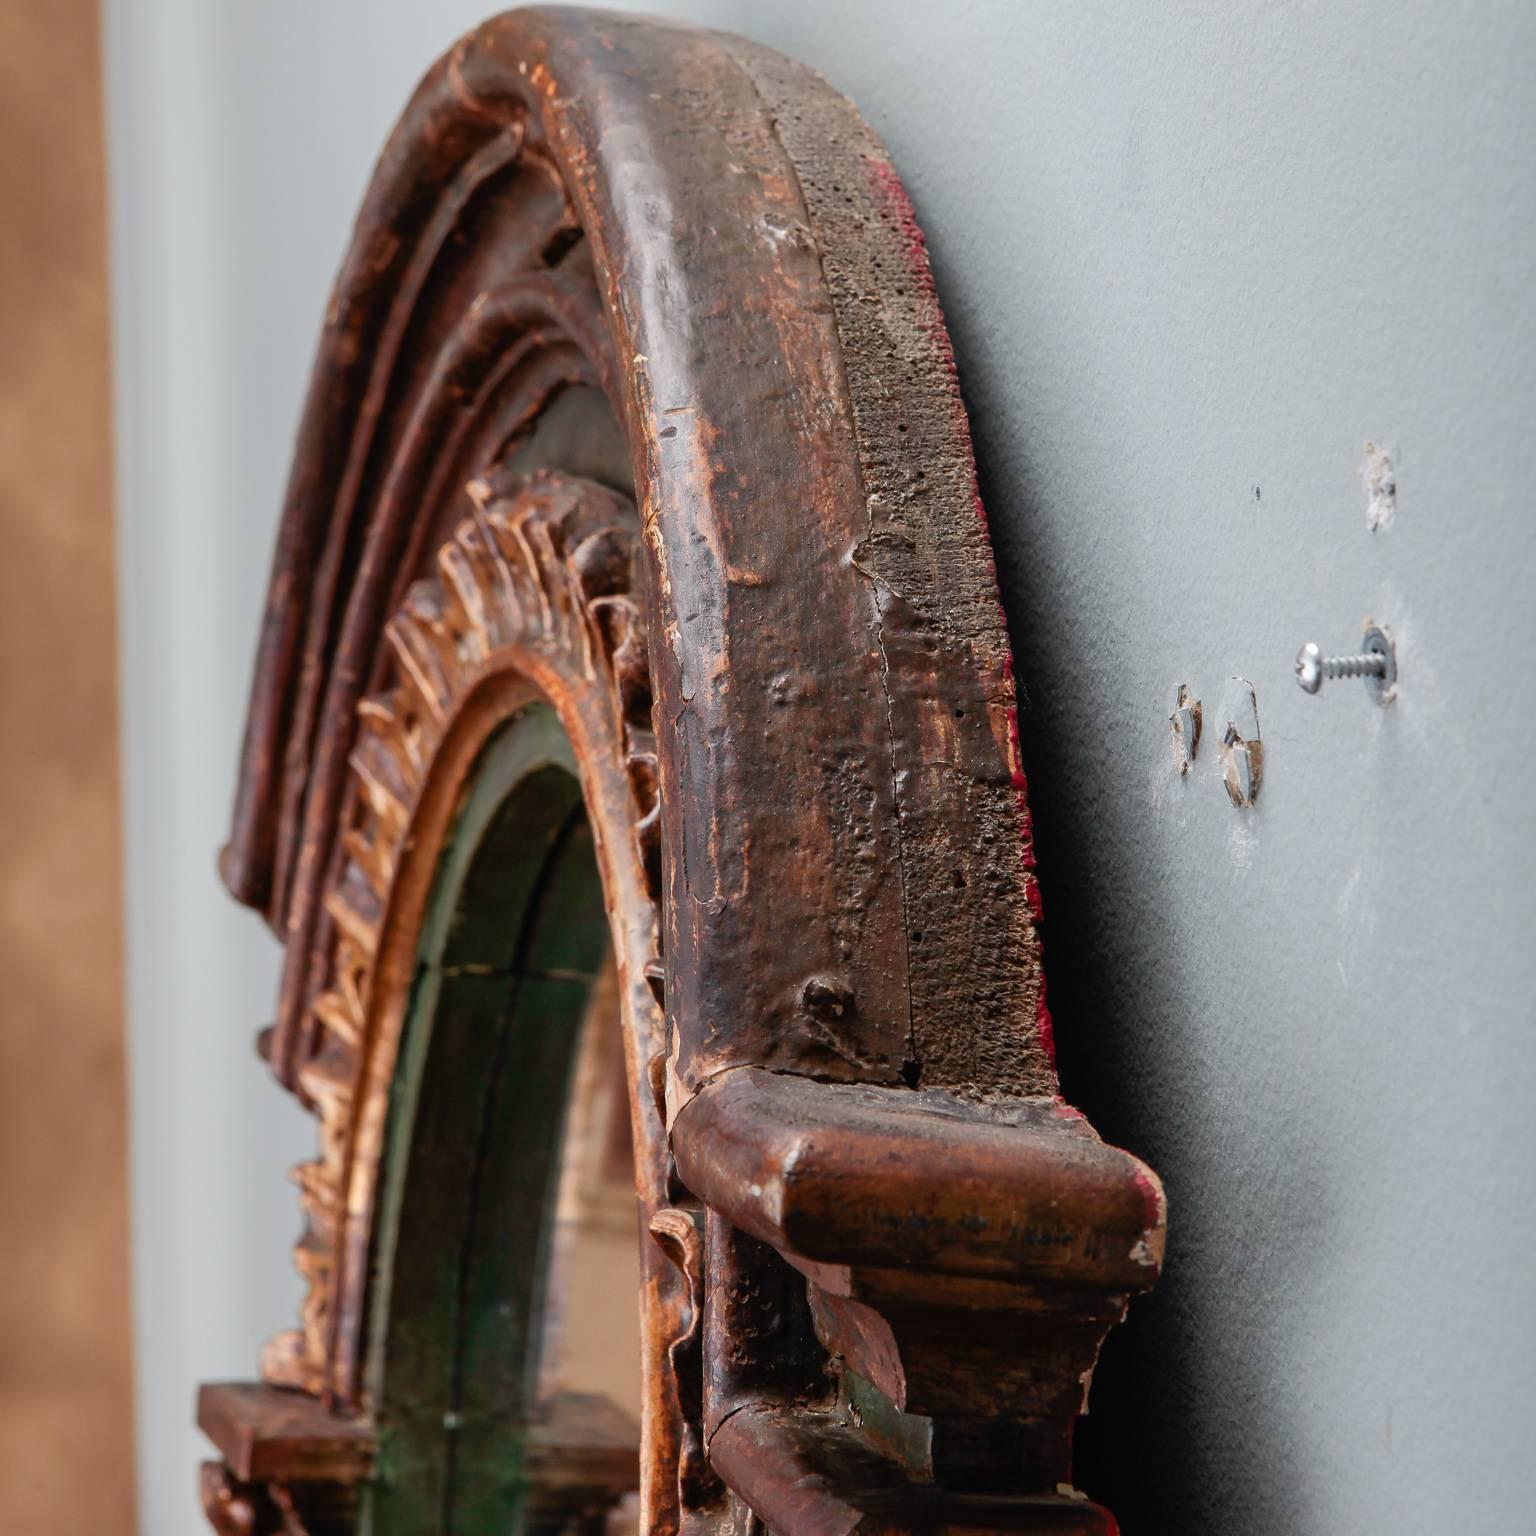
[1379,476]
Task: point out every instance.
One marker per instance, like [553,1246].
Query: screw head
[1309,667]
[826,997]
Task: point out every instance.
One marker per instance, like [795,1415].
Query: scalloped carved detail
[536,585]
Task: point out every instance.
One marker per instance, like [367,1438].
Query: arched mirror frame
[635,412]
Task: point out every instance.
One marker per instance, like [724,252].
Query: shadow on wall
[1128,1053]
[1136,1452]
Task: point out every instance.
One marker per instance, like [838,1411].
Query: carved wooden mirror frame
[633,585]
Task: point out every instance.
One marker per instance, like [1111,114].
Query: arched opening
[477,1425]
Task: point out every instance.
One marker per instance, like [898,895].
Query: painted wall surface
[1193,258]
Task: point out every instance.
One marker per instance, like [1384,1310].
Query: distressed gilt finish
[531,599]
[635,398]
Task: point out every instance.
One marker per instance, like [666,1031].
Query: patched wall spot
[1380,477]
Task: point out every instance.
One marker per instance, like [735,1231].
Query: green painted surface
[514,932]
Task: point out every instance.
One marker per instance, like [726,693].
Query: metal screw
[1377,664]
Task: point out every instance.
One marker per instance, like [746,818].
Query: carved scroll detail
[680,1233]
[233,1508]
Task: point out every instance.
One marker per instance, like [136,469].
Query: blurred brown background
[65,1391]
[1189,255]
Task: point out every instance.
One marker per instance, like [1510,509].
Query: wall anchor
[1377,665]
[1184,725]
[1242,751]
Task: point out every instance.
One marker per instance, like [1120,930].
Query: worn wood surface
[877,1178]
[635,400]
[282,1447]
[820,1475]
[270,1434]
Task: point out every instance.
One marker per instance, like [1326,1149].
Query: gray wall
[1193,257]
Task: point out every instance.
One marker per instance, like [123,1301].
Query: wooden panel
[266,1432]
